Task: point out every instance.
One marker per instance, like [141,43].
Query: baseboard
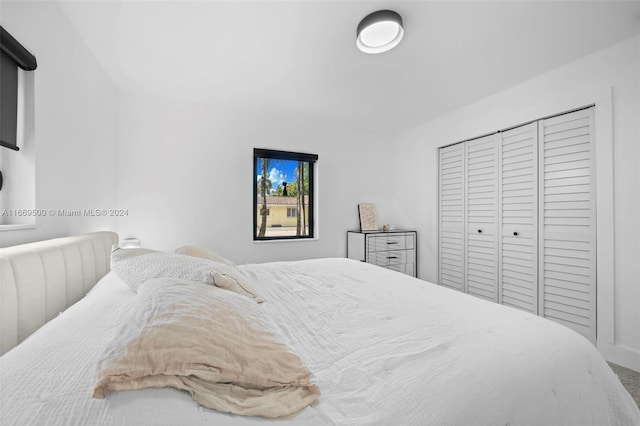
[621,355]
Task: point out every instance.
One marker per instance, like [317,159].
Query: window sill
[17,227]
[286,240]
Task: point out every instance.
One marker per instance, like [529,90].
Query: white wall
[617,67]
[73,108]
[186,176]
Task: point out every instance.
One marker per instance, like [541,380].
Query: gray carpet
[630,379]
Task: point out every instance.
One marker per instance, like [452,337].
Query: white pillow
[226,275]
[136,266]
[118,253]
[204,254]
[230,278]
[134,269]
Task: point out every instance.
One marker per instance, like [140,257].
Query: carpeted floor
[630,379]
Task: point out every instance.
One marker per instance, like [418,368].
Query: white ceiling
[301,55]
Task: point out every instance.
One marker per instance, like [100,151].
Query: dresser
[394,250]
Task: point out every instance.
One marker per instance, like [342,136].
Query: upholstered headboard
[40,280]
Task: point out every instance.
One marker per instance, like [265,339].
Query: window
[12,56]
[283,195]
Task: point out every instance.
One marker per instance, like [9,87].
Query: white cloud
[276,177]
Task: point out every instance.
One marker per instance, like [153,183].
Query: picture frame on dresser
[368,217]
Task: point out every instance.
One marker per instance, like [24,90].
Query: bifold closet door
[451,238]
[519,218]
[481,208]
[567,236]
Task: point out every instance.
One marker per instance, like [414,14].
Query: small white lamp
[128,243]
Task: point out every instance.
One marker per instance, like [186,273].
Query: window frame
[14,55]
[290,156]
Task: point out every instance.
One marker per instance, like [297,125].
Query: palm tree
[292,189]
[300,198]
[304,187]
[264,162]
[269,185]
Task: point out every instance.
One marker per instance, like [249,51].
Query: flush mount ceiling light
[379,31]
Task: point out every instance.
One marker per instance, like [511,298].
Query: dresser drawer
[390,257]
[390,242]
[407,268]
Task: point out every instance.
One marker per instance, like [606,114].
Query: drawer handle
[479,231]
[515,234]
[393,242]
[392,257]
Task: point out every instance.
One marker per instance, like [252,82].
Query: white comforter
[384,348]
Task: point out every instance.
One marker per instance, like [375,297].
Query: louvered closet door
[567,237]
[519,217]
[452,164]
[482,217]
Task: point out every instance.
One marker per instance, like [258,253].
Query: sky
[279,171]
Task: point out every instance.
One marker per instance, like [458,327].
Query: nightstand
[394,250]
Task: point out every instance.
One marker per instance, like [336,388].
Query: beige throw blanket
[215,344]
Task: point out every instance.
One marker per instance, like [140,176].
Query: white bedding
[384,348]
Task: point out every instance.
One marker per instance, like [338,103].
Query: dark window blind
[12,56]
[8,101]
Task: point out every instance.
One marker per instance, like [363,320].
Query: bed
[382,347]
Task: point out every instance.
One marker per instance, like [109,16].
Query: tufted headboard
[40,280]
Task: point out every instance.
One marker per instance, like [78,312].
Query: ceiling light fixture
[379,31]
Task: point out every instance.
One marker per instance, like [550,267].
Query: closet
[481,205]
[517,218]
